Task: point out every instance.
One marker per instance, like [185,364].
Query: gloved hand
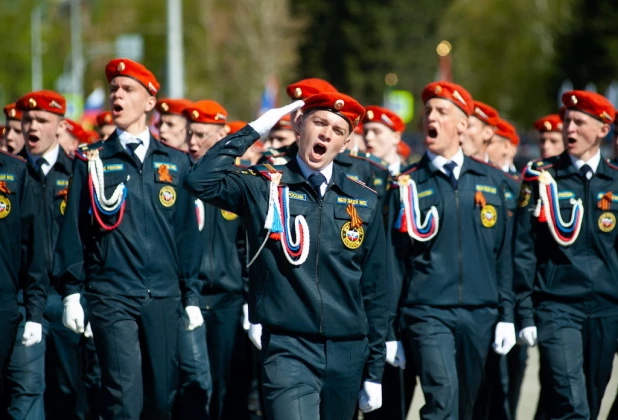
[73,315]
[88,332]
[504,337]
[528,336]
[195,317]
[370,397]
[395,355]
[268,119]
[245,317]
[255,335]
[33,333]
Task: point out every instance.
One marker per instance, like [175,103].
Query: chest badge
[164,175]
[489,216]
[64,193]
[167,196]
[5,207]
[352,232]
[607,222]
[524,195]
[228,215]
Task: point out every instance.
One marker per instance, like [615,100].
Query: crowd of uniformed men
[137,270]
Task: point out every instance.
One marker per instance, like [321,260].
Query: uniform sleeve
[188,245]
[525,260]
[74,233]
[375,298]
[241,247]
[214,178]
[34,278]
[504,266]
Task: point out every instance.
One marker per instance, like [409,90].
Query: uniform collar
[439,161]
[126,138]
[292,174]
[466,164]
[112,146]
[307,171]
[593,162]
[51,156]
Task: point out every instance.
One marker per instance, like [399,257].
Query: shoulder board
[612,165]
[83,148]
[362,184]
[13,156]
[266,169]
[409,169]
[242,163]
[493,165]
[375,161]
[171,147]
[545,163]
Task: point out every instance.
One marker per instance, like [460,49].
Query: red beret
[134,70]
[92,136]
[12,113]
[506,130]
[307,87]
[551,122]
[43,100]
[486,113]
[172,106]
[403,150]
[452,92]
[76,130]
[284,123]
[104,118]
[235,126]
[384,116]
[591,103]
[343,105]
[359,129]
[205,112]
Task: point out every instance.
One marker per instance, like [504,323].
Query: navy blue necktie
[316,180]
[450,171]
[38,164]
[132,147]
[585,170]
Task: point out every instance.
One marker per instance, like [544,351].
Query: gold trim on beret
[195,114]
[32,103]
[339,104]
[574,99]
[547,125]
[298,92]
[437,90]
[12,113]
[370,115]
[165,107]
[121,66]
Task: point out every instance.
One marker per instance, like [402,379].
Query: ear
[61,126]
[462,125]
[604,131]
[298,122]
[396,137]
[487,133]
[345,143]
[223,133]
[152,101]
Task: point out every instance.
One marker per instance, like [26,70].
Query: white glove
[195,317]
[88,332]
[245,317]
[255,335]
[268,120]
[504,337]
[395,355]
[73,315]
[528,336]
[370,397]
[33,333]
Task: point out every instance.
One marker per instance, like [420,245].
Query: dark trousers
[9,321]
[137,347]
[223,318]
[577,350]
[397,392]
[310,378]
[195,381]
[450,347]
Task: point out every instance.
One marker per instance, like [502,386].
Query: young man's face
[279,138]
[130,101]
[498,150]
[106,131]
[67,141]
[202,137]
[13,137]
[41,130]
[583,134]
[551,144]
[380,140]
[475,138]
[173,131]
[443,124]
[322,136]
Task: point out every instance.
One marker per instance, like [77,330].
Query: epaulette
[242,163]
[83,148]
[612,165]
[493,165]
[266,169]
[172,147]
[274,153]
[408,170]
[13,156]
[376,161]
[362,184]
[544,163]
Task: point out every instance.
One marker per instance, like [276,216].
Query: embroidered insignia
[167,196]
[607,222]
[228,215]
[352,232]
[5,207]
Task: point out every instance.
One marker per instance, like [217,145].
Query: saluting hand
[268,119]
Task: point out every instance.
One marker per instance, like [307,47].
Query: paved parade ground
[530,392]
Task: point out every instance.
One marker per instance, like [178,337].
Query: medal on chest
[352,232]
[5,203]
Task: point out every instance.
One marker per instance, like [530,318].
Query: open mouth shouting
[432,132]
[117,110]
[33,139]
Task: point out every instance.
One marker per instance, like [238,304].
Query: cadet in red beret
[206,122]
[481,128]
[42,116]
[499,149]
[383,129]
[172,124]
[72,136]
[305,88]
[13,135]
[313,215]
[551,142]
[446,213]
[281,135]
[105,124]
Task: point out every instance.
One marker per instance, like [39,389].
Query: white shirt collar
[439,161]
[126,138]
[51,157]
[593,162]
[395,167]
[327,171]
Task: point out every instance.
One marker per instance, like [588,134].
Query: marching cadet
[320,291]
[499,147]
[13,135]
[129,244]
[105,125]
[566,262]
[550,135]
[203,135]
[172,124]
[22,252]
[481,128]
[72,136]
[405,153]
[449,208]
[383,129]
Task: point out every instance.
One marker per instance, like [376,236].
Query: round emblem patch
[352,238]
[63,207]
[607,222]
[167,196]
[5,207]
[524,195]
[228,215]
[489,217]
